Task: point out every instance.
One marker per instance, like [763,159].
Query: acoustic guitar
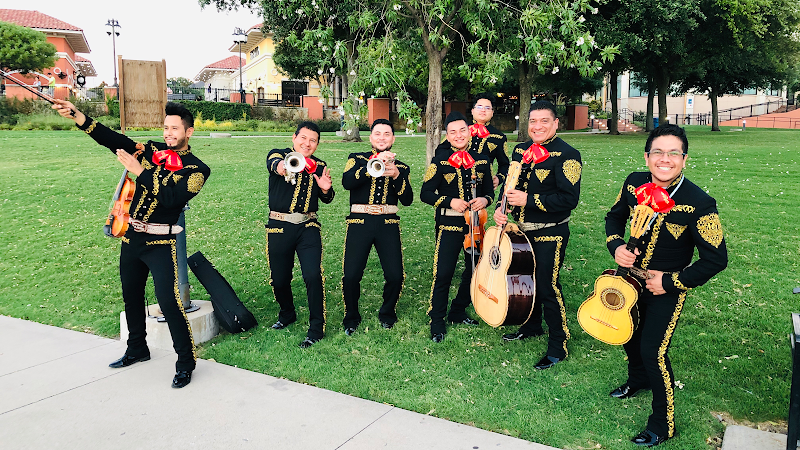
[610,314]
[503,284]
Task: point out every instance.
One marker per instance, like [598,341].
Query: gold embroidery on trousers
[160,242]
[556,267]
[450,228]
[274,230]
[177,293]
[662,365]
[710,229]
[313,224]
[391,221]
[358,221]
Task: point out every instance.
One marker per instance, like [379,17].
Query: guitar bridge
[604,323]
[488,294]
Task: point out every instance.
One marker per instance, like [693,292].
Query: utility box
[577,117]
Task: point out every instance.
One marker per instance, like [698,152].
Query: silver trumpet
[294,163]
[376,167]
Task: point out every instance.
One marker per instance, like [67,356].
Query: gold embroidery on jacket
[91,128]
[351,162]
[195,182]
[710,229]
[612,237]
[538,202]
[677,283]
[631,189]
[541,174]
[675,230]
[572,170]
[449,177]
[430,173]
[683,208]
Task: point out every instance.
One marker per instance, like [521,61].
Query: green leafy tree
[742,44]
[24,49]
[179,82]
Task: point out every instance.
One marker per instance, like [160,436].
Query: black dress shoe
[350,331]
[547,362]
[648,439]
[280,325]
[308,342]
[387,325]
[126,361]
[465,321]
[437,337]
[625,391]
[518,336]
[182,378]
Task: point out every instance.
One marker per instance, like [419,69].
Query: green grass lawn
[730,352]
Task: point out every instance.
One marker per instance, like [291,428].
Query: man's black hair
[667,129]
[544,104]
[454,116]
[484,96]
[308,125]
[179,109]
[381,122]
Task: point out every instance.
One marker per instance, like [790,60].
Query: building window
[254,53]
[637,86]
[293,91]
[749,92]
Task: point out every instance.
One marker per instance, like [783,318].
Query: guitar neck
[633,242]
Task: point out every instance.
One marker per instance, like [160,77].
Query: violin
[119,217]
[477,222]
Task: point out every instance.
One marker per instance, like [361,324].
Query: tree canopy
[24,49]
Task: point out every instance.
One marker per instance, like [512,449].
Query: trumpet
[294,163]
[376,167]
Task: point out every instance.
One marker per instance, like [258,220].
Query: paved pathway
[57,392]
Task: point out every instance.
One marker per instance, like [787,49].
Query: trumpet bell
[376,167]
[294,162]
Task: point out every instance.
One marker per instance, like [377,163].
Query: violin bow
[32,89]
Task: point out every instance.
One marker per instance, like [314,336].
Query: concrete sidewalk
[57,392]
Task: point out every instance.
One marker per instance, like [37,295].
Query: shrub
[263,113]
[219,110]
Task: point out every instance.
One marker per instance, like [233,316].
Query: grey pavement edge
[59,393]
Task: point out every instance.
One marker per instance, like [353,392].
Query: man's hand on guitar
[65,109]
[499,217]
[130,162]
[625,258]
[517,198]
[654,284]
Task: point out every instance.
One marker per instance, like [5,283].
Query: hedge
[219,111]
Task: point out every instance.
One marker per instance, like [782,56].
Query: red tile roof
[35,19]
[227,63]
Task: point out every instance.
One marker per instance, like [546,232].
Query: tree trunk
[526,75]
[351,132]
[712,95]
[613,121]
[651,93]
[433,111]
[662,81]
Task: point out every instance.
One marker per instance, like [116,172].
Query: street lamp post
[240,37]
[114,33]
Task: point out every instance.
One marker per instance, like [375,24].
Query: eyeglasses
[481,107]
[659,154]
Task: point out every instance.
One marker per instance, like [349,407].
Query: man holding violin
[168,175]
[293,228]
[541,204]
[448,186]
[373,220]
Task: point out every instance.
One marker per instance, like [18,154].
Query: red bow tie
[655,197]
[461,158]
[311,165]
[479,130]
[535,153]
[173,161]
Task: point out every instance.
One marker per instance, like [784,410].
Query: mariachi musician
[373,220]
[293,228]
[541,204]
[447,187]
[487,140]
[168,175]
[665,268]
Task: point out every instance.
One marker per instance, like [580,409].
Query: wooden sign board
[142,93]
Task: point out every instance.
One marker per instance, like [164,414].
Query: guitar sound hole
[495,257]
[613,299]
